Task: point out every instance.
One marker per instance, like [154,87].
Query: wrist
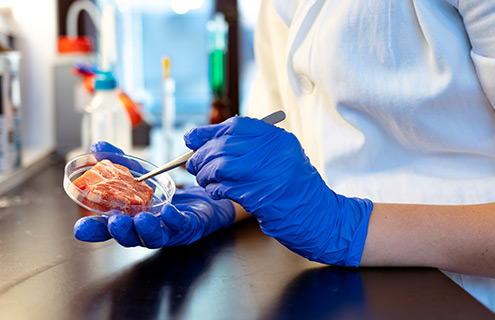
[240,212]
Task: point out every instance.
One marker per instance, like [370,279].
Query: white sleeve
[270,36]
[479,21]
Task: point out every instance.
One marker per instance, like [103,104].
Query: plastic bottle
[105,118]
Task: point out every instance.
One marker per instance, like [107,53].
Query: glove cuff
[344,242]
[356,247]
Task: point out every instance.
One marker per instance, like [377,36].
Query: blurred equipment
[168,109]
[78,93]
[10,95]
[74,70]
[106,118]
[217,51]
[78,22]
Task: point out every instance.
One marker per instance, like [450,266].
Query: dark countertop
[236,273]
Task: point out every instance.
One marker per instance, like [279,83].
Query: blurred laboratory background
[173,64]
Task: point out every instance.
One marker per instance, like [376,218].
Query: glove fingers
[104,150]
[103,146]
[121,227]
[92,229]
[224,190]
[242,169]
[173,218]
[151,231]
[225,146]
[185,229]
[214,171]
[211,150]
[197,137]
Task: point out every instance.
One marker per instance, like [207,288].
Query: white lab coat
[391,100]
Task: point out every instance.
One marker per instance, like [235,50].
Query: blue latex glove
[192,215]
[265,170]
[104,150]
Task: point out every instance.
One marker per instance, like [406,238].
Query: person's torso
[385,99]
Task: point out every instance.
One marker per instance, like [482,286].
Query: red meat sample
[109,186]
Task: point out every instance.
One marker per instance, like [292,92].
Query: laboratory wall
[36,39]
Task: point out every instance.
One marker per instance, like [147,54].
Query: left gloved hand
[191,216]
[265,170]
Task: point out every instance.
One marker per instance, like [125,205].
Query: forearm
[454,238]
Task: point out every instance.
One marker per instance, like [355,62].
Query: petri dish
[163,185]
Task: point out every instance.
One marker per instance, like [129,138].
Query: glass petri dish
[162,184]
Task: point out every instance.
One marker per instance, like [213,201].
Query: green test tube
[217,47]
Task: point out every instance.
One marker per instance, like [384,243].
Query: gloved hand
[192,215]
[265,170]
[105,150]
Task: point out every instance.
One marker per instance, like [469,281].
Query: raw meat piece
[110,186]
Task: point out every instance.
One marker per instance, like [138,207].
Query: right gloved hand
[265,170]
